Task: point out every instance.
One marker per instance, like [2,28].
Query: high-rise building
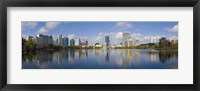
[136,42]
[153,39]
[60,41]
[84,42]
[126,37]
[77,42]
[43,40]
[72,42]
[107,40]
[55,41]
[130,42]
[50,39]
[65,41]
[174,41]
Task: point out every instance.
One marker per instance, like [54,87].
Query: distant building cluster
[45,40]
[41,40]
[153,40]
[127,41]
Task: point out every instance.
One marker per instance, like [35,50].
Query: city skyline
[95,32]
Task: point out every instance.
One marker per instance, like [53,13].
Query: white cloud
[72,36]
[119,35]
[48,26]
[116,37]
[28,25]
[124,25]
[136,36]
[24,36]
[173,37]
[98,38]
[42,30]
[172,29]
[154,37]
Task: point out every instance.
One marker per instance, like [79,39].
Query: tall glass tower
[60,41]
[65,41]
[107,41]
[126,37]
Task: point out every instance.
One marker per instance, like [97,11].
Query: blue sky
[96,31]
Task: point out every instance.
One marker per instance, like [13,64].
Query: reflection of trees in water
[121,57]
[28,56]
[166,55]
[39,57]
[42,58]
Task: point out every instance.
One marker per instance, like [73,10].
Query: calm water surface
[101,59]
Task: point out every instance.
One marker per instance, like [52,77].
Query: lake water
[101,59]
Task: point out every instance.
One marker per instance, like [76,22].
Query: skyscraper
[107,40]
[60,41]
[77,42]
[65,41]
[72,42]
[84,42]
[126,37]
[153,39]
[43,40]
[174,41]
[130,42]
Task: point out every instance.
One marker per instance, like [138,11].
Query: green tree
[23,43]
[164,43]
[30,45]
[50,46]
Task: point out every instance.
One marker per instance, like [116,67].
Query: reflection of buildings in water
[76,54]
[98,53]
[153,55]
[130,54]
[83,54]
[107,57]
[127,56]
[43,58]
[65,55]
[59,58]
[72,55]
[136,56]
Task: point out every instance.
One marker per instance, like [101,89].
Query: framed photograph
[87,44]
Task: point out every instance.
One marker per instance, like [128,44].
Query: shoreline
[47,49]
